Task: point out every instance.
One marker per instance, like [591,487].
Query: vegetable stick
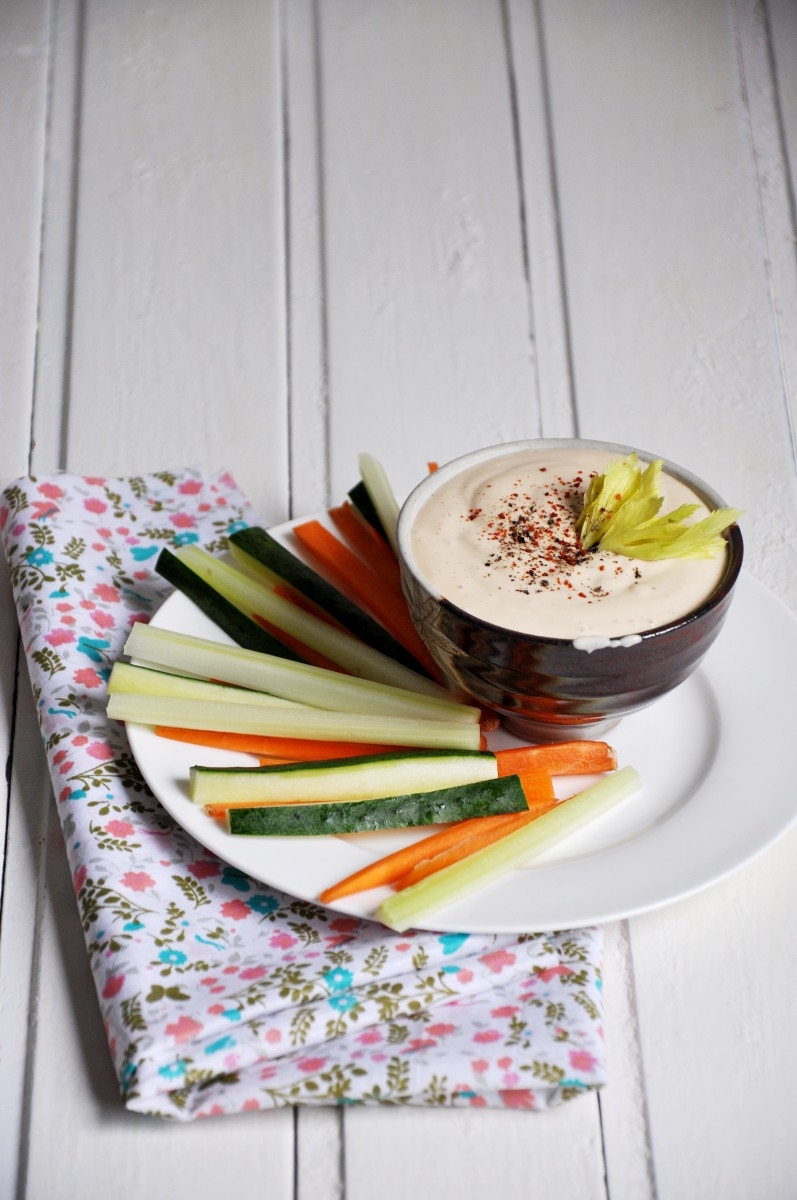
[453,854]
[560,758]
[286,749]
[370,545]
[538,790]
[377,485]
[419,903]
[354,577]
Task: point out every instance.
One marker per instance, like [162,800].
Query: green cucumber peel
[260,600]
[377,485]
[621,515]
[418,903]
[487,798]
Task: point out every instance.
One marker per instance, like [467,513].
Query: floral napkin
[220,994]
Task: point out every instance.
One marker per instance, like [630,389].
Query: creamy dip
[498,540]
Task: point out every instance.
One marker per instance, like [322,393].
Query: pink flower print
[104,619]
[283,941]
[506,1010]
[106,591]
[141,574]
[517,1098]
[137,881]
[59,756]
[250,1105]
[253,973]
[99,546]
[88,604]
[189,487]
[66,766]
[511,1079]
[100,750]
[311,1064]
[5,512]
[344,924]
[94,480]
[487,1035]
[88,677]
[51,490]
[95,505]
[67,620]
[480,1065]
[216,1010]
[582,1060]
[204,506]
[208,981]
[421,1043]
[184,1029]
[440,1030]
[120,829]
[64,606]
[42,508]
[496,960]
[505,1063]
[79,739]
[222,501]
[59,637]
[123,529]
[477,1102]
[18,528]
[236,910]
[273,1036]
[182,520]
[549,973]
[80,878]
[204,869]
[103,532]
[113,986]
[369,1037]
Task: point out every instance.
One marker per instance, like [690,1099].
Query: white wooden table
[269,235]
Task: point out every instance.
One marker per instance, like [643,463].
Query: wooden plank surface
[278,234]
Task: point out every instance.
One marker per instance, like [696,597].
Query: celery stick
[167,649]
[302,723]
[146,681]
[378,487]
[421,900]
[258,599]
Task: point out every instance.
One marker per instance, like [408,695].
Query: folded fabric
[219,993]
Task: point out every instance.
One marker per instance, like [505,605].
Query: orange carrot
[369,544]
[509,822]
[560,758]
[288,749]
[354,577]
[538,789]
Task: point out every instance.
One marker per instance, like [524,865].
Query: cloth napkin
[219,993]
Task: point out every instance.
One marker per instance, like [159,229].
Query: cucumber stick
[315,686]
[259,600]
[418,903]
[258,552]
[317,723]
[492,796]
[370,777]
[236,624]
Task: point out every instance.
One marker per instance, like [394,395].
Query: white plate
[710,803]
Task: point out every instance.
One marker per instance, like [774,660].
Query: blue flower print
[142,553]
[343,1002]
[263,904]
[235,878]
[451,942]
[185,538]
[39,557]
[173,1070]
[92,647]
[224,1043]
[338,980]
[172,958]
[236,526]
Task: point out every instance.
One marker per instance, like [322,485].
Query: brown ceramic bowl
[545,688]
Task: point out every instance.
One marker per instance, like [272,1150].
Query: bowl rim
[430,484]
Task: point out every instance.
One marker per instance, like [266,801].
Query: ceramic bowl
[546,688]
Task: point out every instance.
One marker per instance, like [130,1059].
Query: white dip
[499,541]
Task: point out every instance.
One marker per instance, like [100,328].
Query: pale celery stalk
[167,649]
[146,681]
[384,501]
[338,646]
[319,724]
[417,903]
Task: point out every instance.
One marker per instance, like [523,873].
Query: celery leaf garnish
[621,515]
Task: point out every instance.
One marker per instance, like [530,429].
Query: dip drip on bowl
[560,641]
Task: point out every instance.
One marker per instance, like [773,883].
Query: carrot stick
[538,789]
[354,577]
[288,749]
[369,544]
[560,758]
